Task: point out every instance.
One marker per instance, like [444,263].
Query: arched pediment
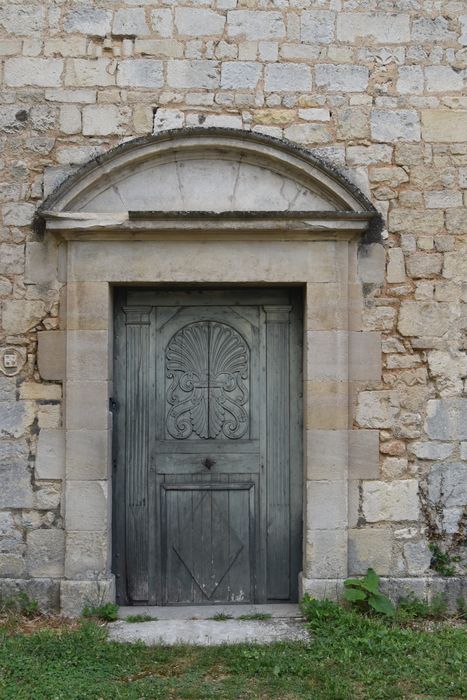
[206,170]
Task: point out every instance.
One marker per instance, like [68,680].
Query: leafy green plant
[107,612]
[20,604]
[365,595]
[412,608]
[220,617]
[461,608]
[140,618]
[262,617]
[441,561]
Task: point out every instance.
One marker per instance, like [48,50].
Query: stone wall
[375,87]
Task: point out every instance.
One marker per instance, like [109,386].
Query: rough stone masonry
[375,87]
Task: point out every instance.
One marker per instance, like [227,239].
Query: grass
[140,618]
[350,657]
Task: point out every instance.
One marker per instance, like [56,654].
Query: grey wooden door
[207,501]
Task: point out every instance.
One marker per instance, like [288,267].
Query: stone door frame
[316,250]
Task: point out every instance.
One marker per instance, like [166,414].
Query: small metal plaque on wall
[12,360]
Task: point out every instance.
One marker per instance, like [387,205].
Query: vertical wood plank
[278,452]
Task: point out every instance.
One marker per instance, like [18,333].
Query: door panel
[208,542]
[207,468]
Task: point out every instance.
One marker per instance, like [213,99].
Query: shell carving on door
[207,368]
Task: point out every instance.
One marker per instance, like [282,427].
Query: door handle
[208,462]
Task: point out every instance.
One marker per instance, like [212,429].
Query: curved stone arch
[226,170]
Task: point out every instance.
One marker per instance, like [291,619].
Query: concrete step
[208,632]
[207,612]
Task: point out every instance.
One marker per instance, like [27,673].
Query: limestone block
[327,454]
[18,214]
[442,199]
[455,265]
[87,355]
[36,391]
[364,356]
[39,72]
[326,406]
[396,266]
[326,307]
[140,72]
[162,22]
[371,263]
[322,589]
[426,30]
[87,405]
[353,123]
[9,47]
[130,22]
[85,19]
[448,368]
[368,155]
[86,506]
[395,501]
[237,75]
[71,46]
[317,26]
[287,77]
[11,565]
[424,318]
[193,74]
[51,354]
[86,555]
[315,114]
[102,120]
[456,220]
[88,454]
[432,450]
[394,468]
[70,119]
[308,133]
[165,48]
[54,176]
[326,553]
[7,388]
[88,306]
[417,557]
[327,354]
[84,72]
[45,552]
[75,595]
[443,79]
[370,548]
[255,24]
[363,454]
[50,456]
[41,262]
[22,19]
[448,125]
[326,505]
[11,258]
[410,81]
[15,477]
[379,27]
[395,125]
[49,415]
[192,21]
[447,484]
[424,265]
[341,78]
[44,590]
[21,315]
[377,409]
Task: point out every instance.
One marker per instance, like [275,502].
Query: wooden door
[207,458]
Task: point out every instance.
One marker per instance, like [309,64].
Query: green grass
[262,617]
[140,618]
[350,657]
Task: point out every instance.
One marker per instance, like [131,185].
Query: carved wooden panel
[207,368]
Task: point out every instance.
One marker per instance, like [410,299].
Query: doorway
[207,468]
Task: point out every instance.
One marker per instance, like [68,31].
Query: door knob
[208,462]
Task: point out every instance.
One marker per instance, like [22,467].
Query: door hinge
[113,405]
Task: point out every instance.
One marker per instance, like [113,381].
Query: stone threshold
[289,611]
[195,625]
